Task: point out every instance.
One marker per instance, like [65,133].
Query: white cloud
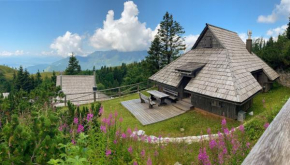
[189,41]
[283,9]
[124,34]
[48,53]
[9,53]
[68,43]
[275,32]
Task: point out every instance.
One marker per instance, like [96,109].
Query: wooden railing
[109,93]
[273,147]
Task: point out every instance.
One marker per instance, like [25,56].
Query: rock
[140,132]
[251,113]
[181,129]
[177,163]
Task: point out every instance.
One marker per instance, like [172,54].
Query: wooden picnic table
[158,95]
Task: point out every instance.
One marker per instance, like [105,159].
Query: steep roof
[227,73]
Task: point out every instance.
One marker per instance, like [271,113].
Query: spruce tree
[38,80]
[73,66]
[288,30]
[170,33]
[53,78]
[19,78]
[155,53]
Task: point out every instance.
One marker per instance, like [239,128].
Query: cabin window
[208,42]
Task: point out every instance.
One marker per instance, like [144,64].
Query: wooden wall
[215,43]
[263,80]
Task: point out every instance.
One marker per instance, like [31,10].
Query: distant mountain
[35,68]
[99,59]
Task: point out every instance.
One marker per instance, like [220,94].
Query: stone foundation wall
[284,78]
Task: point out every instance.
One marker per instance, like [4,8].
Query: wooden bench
[173,95]
[144,99]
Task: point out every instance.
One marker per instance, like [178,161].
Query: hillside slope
[7,71]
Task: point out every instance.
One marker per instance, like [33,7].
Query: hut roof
[76,83]
[227,71]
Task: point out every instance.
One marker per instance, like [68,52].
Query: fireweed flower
[129,131]
[135,163]
[242,128]
[115,141]
[123,135]
[226,131]
[76,120]
[101,111]
[108,152]
[149,139]
[142,153]
[156,153]
[212,144]
[60,128]
[80,128]
[203,157]
[73,141]
[149,161]
[130,149]
[103,128]
[266,125]
[248,145]
[89,117]
[116,114]
[110,116]
[121,119]
[224,122]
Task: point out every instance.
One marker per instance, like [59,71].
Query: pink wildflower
[89,117]
[242,128]
[129,131]
[212,144]
[203,157]
[135,163]
[208,131]
[130,149]
[156,153]
[149,139]
[142,153]
[80,128]
[149,161]
[108,152]
[224,122]
[76,120]
[101,111]
[123,135]
[73,141]
[121,119]
[60,128]
[110,116]
[103,128]
[248,145]
[116,114]
[266,125]
[226,131]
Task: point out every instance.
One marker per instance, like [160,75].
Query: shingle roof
[76,84]
[227,73]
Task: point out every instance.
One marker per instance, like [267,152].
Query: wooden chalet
[219,73]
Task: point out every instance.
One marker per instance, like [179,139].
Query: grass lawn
[194,122]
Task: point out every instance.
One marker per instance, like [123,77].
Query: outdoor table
[159,95]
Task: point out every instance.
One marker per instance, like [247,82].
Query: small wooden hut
[219,73]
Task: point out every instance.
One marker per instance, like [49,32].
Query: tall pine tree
[170,33]
[154,55]
[73,66]
[53,77]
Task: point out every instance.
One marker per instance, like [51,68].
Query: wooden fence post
[138,87]
[119,91]
[65,100]
[94,96]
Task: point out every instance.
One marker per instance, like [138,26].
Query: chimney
[249,42]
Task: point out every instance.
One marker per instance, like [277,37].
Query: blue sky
[50,29]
